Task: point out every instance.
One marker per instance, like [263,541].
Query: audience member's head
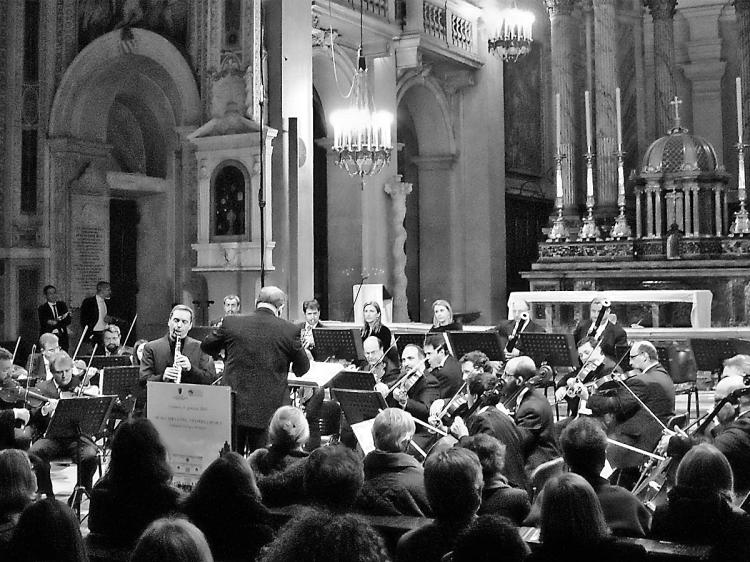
[489,538]
[47,530]
[172,540]
[333,477]
[392,430]
[17,482]
[490,452]
[704,468]
[138,456]
[453,481]
[571,513]
[288,429]
[584,446]
[321,535]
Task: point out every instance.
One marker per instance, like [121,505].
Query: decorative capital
[559,7]
[661,9]
[397,188]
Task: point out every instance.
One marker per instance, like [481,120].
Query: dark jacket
[265,462]
[613,336]
[624,513]
[45,314]
[286,487]
[449,377]
[159,354]
[420,396]
[505,329]
[397,480]
[506,501]
[90,313]
[696,517]
[609,549]
[429,543]
[122,515]
[734,442]
[259,348]
[535,421]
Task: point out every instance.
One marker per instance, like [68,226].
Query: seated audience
[584,447]
[453,480]
[572,526]
[487,539]
[315,535]
[333,478]
[394,480]
[47,530]
[225,504]
[17,490]
[172,540]
[136,489]
[288,433]
[498,497]
[699,508]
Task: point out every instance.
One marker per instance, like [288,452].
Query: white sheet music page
[320,375]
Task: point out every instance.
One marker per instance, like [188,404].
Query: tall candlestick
[587,102]
[558,134]
[589,180]
[619,119]
[738,85]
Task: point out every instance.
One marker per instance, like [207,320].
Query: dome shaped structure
[679,151]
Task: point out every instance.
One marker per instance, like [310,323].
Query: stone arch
[430,110]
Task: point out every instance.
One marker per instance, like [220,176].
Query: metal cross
[676,103]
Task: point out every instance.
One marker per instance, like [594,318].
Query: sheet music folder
[339,343]
[360,405]
[79,416]
[320,375]
[559,350]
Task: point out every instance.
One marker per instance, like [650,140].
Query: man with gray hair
[259,348]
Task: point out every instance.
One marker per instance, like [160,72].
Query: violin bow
[635,449]
[404,377]
[28,374]
[125,341]
[643,405]
[15,349]
[83,380]
[385,353]
[448,404]
[80,341]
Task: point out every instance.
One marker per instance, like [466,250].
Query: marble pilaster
[606,118]
[742,12]
[563,29]
[662,12]
[398,191]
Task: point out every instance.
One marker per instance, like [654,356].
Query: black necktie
[54,309]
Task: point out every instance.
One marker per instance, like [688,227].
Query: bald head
[273,296]
[373,349]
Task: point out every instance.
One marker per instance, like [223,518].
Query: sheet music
[363,433]
[319,375]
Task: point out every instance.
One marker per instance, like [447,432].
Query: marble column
[563,30]
[605,38]
[398,190]
[742,12]
[662,12]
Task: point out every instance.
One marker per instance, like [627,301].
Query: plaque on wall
[89,244]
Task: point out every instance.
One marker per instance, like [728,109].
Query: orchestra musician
[64,384]
[311,310]
[96,314]
[628,422]
[442,317]
[39,362]
[373,326]
[530,410]
[54,317]
[506,328]
[111,338]
[231,308]
[378,363]
[443,366]
[608,332]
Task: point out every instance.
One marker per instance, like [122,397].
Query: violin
[457,406]
[20,395]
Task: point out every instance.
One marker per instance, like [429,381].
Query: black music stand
[339,343]
[360,405]
[409,338]
[710,354]
[79,419]
[124,383]
[489,343]
[353,380]
[558,350]
[102,361]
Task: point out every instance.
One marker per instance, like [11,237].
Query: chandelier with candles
[513,37]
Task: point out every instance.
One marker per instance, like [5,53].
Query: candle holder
[741,224]
[559,231]
[620,229]
[589,230]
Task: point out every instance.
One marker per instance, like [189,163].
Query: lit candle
[587,101]
[558,182]
[738,84]
[589,179]
[618,107]
[558,123]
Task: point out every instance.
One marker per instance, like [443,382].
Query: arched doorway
[116,131]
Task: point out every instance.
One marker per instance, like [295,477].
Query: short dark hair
[450,479]
[47,527]
[184,308]
[479,383]
[489,450]
[312,304]
[138,456]
[478,358]
[435,341]
[333,477]
[487,536]
[591,340]
[584,446]
[101,284]
[47,288]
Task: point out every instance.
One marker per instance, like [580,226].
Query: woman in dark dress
[572,526]
[442,317]
[374,327]
[699,509]
[136,489]
[225,504]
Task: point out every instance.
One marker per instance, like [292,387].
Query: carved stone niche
[227,150]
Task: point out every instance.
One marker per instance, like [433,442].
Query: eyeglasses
[634,355]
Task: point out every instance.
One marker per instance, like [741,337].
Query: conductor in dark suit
[54,317]
[259,348]
[611,334]
[190,365]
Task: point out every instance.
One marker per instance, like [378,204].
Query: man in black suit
[610,334]
[54,317]
[506,327]
[628,421]
[531,412]
[259,348]
[311,309]
[160,363]
[443,366]
[95,313]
